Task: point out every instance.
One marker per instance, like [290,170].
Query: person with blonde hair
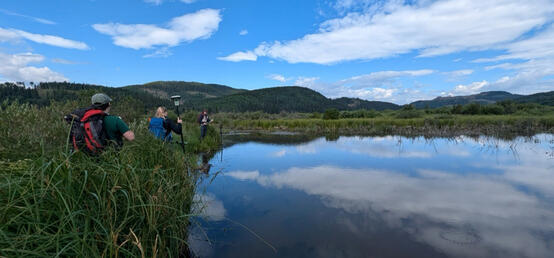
[161,126]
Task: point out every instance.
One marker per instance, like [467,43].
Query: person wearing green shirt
[114,126]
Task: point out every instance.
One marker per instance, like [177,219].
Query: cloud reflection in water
[507,213]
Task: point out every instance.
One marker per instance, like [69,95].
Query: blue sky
[397,51]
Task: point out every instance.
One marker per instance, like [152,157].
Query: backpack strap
[91,113]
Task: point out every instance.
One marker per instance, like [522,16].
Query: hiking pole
[177,100]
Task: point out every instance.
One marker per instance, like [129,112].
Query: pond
[301,196]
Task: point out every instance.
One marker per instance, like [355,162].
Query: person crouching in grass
[161,126]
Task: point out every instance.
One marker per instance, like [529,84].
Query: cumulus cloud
[186,28]
[13,35]
[243,32]
[277,77]
[471,88]
[16,68]
[428,27]
[382,85]
[240,56]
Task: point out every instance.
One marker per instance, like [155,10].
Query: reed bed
[134,202]
[430,125]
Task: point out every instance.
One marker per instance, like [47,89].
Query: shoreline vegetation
[137,201]
[503,119]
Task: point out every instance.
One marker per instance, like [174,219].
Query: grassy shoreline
[132,202]
[427,126]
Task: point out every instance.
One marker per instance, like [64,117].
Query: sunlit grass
[132,202]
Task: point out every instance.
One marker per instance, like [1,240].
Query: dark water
[379,197]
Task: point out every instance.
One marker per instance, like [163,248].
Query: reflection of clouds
[208,207]
[244,175]
[505,218]
[279,154]
[382,147]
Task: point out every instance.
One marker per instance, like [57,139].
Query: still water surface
[294,196]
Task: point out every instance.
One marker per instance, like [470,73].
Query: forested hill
[289,99]
[189,91]
[488,97]
[42,94]
[221,98]
[544,98]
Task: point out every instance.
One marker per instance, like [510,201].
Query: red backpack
[87,130]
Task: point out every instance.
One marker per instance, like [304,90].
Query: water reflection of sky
[384,197]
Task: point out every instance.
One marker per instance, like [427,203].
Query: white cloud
[13,34]
[532,59]
[243,32]
[40,20]
[382,86]
[186,28]
[277,77]
[428,27]
[240,56]
[64,61]
[458,74]
[15,68]
[306,81]
[161,52]
[471,88]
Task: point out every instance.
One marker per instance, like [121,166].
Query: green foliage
[45,93]
[543,98]
[129,203]
[284,99]
[331,113]
[457,109]
[492,109]
[189,91]
[361,113]
[472,109]
[481,98]
[409,113]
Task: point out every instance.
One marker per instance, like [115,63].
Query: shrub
[331,113]
[492,109]
[472,109]
[409,113]
[457,109]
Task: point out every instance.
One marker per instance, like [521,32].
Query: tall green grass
[132,202]
[434,125]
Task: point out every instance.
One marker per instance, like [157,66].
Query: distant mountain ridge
[487,97]
[189,91]
[221,98]
[286,98]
